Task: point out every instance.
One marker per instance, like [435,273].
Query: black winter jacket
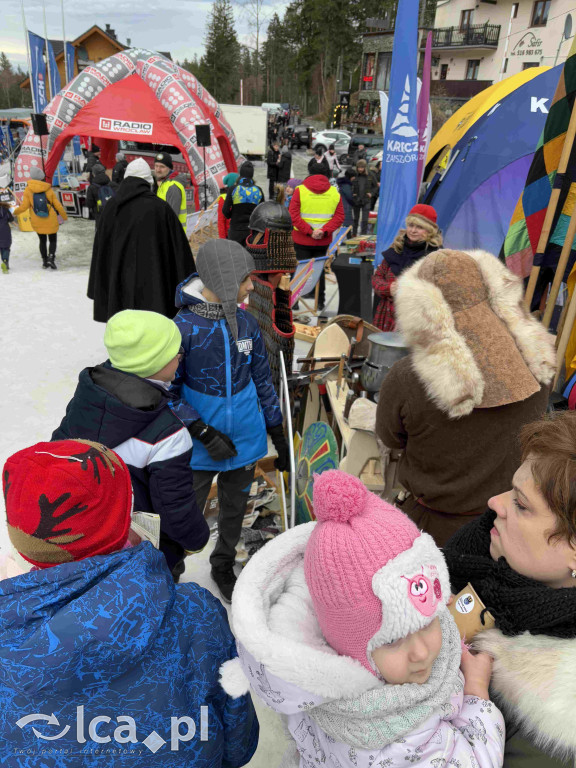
[119,171]
[132,416]
[362,185]
[272,161]
[92,195]
[241,199]
[285,168]
[345,189]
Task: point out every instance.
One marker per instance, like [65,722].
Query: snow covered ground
[48,336]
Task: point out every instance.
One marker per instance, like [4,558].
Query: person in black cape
[140,252]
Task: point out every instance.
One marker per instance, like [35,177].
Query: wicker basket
[206,228]
[202,236]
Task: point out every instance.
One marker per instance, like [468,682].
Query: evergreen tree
[11,95]
[219,67]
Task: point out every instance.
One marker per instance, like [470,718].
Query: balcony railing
[474,36]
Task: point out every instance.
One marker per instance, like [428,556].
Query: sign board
[344,98]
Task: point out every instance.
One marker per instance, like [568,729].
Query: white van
[275,109]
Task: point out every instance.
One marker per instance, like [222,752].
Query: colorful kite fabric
[521,243]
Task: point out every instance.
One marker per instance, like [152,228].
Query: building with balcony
[478,42]
[377,43]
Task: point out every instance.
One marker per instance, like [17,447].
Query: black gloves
[282,463]
[218,445]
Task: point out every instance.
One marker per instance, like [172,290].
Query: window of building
[472,69]
[383,71]
[540,13]
[465,20]
[529,64]
[514,10]
[443,71]
[505,67]
[368,72]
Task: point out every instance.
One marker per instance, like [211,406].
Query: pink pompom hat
[372,575]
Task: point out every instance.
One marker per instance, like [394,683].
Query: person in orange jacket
[223,223]
[45,207]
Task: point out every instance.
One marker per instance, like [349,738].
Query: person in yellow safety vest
[170,190]
[317,211]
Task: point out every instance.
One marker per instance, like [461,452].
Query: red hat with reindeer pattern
[66,500]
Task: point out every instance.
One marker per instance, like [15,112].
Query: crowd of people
[344,626]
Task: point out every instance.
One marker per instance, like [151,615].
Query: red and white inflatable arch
[136,95]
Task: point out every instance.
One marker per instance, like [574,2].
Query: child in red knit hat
[342,626]
[123,662]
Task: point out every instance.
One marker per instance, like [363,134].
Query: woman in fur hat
[521,560]
[420,237]
[478,371]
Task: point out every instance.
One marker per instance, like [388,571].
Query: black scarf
[411,253]
[518,604]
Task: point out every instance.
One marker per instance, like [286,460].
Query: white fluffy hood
[534,684]
[481,350]
[279,639]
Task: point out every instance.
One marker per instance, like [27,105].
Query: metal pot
[385,350]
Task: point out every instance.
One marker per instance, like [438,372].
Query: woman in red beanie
[420,237]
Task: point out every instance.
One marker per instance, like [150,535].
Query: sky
[178,28]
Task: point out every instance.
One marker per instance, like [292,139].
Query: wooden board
[318,453]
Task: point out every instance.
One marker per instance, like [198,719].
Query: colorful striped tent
[450,133]
[521,243]
[476,194]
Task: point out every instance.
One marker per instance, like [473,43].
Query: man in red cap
[420,237]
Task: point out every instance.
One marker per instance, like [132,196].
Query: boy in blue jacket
[227,397]
[124,404]
[113,663]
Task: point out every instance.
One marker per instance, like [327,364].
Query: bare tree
[257,18]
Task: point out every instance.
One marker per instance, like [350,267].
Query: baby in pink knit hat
[343,627]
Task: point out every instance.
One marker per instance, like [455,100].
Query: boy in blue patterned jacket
[120,663]
[227,399]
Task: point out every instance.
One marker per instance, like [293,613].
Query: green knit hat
[141,342]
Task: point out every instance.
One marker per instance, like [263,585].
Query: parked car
[340,139]
[299,135]
[373,143]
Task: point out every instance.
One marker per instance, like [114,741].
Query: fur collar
[534,683]
[441,357]
[298,655]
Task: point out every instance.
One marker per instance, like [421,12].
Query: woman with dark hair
[420,237]
[520,557]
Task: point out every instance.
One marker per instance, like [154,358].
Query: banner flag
[398,180]
[37,71]
[54,74]
[423,111]
[383,107]
[70,58]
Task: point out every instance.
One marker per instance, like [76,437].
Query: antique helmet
[272,216]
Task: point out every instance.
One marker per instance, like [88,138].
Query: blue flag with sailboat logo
[398,179]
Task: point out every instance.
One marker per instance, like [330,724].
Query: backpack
[105,193]
[40,205]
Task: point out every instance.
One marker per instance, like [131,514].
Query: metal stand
[205,190]
[285,407]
